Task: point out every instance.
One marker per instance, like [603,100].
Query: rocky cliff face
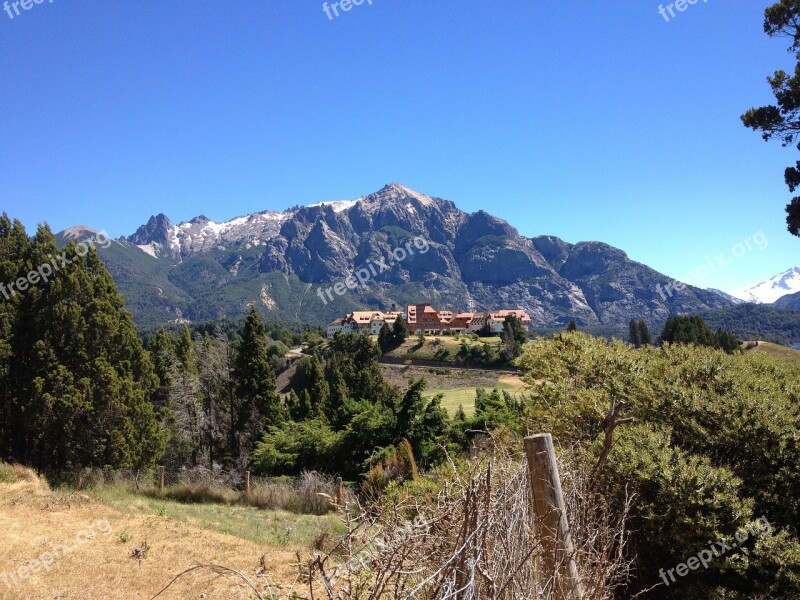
[473,261]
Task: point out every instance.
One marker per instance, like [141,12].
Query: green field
[457,385]
[465,395]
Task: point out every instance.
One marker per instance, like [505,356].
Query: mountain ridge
[203,269]
[773,289]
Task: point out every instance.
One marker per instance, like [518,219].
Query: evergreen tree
[400,330]
[645,338]
[781,120]
[309,379]
[82,380]
[385,338]
[513,336]
[162,351]
[14,250]
[633,334]
[256,405]
[694,330]
[572,326]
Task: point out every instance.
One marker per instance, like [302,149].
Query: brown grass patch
[34,520]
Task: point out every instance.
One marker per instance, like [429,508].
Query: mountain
[788,302]
[727,296]
[288,263]
[773,289]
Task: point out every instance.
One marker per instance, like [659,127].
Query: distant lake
[796,346]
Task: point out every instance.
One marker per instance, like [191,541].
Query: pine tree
[400,330]
[645,338]
[309,379]
[14,250]
[256,405]
[633,334]
[385,338]
[573,326]
[83,381]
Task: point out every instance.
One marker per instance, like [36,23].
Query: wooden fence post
[339,490]
[247,484]
[551,516]
[161,481]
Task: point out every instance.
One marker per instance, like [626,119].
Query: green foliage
[257,403]
[633,335]
[781,121]
[756,322]
[513,337]
[479,354]
[645,337]
[76,382]
[713,446]
[400,330]
[385,338]
[693,330]
[398,466]
[639,334]
[342,397]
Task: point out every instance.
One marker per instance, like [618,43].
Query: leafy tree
[365,417]
[782,120]
[572,326]
[710,450]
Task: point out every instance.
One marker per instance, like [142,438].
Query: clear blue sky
[589,121]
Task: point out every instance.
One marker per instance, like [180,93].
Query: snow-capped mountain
[204,270]
[771,290]
[159,237]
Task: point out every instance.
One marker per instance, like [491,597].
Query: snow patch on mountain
[772,289]
[337,205]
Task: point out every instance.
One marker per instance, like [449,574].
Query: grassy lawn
[465,395]
[782,353]
[267,527]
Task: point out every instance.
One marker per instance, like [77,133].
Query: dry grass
[35,520]
[475,537]
[310,494]
[781,353]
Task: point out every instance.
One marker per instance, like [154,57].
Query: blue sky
[589,121]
